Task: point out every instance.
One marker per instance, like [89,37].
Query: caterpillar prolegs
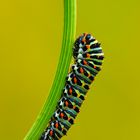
[88,58]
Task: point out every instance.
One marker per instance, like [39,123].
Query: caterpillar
[88,57]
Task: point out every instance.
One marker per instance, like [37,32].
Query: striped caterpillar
[88,58]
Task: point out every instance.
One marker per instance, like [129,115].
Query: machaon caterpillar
[88,57]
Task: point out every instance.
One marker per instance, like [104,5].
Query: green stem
[62,70]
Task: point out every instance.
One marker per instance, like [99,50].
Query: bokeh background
[30,44]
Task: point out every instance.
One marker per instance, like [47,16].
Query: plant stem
[62,70]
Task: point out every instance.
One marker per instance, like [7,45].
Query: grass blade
[62,70]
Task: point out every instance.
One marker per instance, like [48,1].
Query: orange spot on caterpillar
[88,46]
[85,63]
[84,40]
[75,80]
[70,91]
[61,115]
[88,55]
[51,132]
[94,67]
[81,70]
[56,125]
[66,103]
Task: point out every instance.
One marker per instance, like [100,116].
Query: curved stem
[62,70]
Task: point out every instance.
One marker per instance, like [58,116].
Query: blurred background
[30,44]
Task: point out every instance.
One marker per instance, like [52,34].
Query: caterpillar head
[81,41]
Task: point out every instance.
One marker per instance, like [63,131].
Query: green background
[30,43]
